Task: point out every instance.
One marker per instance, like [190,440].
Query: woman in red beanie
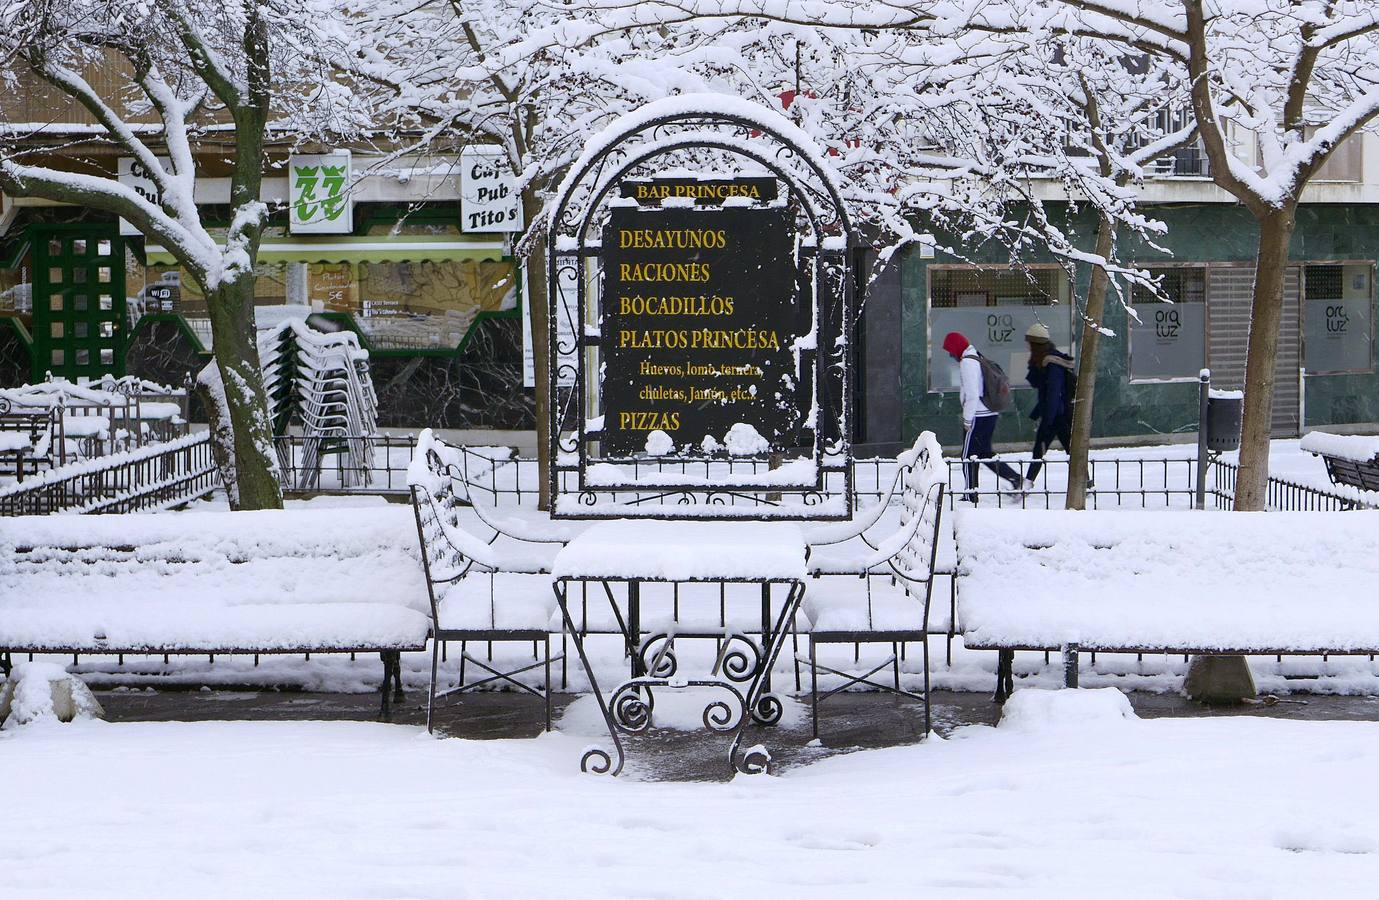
[978,422]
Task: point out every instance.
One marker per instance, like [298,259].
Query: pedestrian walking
[982,386]
[1053,375]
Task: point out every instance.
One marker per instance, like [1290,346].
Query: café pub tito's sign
[700,320]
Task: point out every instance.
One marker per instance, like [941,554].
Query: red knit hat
[955,344]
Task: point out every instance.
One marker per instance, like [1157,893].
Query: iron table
[687,552]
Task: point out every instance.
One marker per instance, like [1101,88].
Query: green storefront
[438,309]
[1147,375]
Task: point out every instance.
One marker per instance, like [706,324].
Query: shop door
[79,302]
[1229,292]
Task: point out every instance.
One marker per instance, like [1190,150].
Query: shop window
[332,287]
[1338,318]
[430,305]
[168,288]
[16,290]
[1168,330]
[993,308]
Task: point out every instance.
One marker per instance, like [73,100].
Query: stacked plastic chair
[322,382]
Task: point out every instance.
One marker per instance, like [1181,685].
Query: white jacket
[970,376]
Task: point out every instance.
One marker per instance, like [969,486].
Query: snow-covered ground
[1067,799]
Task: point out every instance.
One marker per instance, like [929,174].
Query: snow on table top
[1188,579]
[1356,447]
[684,551]
[271,579]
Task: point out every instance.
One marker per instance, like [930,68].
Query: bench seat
[246,628]
[314,581]
[1172,581]
[839,603]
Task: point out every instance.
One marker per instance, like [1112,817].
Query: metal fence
[1286,494]
[1116,482]
[386,475]
[155,476]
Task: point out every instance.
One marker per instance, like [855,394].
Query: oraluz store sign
[708,316]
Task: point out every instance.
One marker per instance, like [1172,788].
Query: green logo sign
[319,193]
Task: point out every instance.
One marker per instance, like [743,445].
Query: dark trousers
[1043,440]
[978,446]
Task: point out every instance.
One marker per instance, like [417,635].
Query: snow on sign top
[688,105]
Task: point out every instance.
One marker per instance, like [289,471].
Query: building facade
[1148,366]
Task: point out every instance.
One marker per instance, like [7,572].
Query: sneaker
[1017,487]
[969,497]
[1029,485]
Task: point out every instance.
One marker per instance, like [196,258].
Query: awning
[371,248]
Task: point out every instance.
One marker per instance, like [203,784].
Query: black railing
[1286,494]
[1116,482]
[1139,482]
[387,474]
[155,476]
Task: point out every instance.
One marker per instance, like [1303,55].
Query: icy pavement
[1087,804]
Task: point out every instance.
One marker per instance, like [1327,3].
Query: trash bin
[1224,410]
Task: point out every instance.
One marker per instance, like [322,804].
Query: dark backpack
[995,386]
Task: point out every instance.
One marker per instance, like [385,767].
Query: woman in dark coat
[1053,376]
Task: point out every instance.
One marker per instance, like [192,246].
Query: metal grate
[1180,284]
[1324,282]
[977,287]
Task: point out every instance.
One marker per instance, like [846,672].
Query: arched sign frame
[572,240]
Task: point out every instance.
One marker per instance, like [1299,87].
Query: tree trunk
[1079,467]
[536,300]
[237,356]
[1266,315]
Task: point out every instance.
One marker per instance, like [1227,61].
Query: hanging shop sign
[700,331]
[133,174]
[319,193]
[489,197]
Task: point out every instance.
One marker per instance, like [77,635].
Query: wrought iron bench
[28,436]
[300,582]
[1178,581]
[1350,459]
[491,589]
[878,588]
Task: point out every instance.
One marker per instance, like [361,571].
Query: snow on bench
[1351,460]
[338,580]
[1176,581]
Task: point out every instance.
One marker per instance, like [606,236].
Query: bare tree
[195,68]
